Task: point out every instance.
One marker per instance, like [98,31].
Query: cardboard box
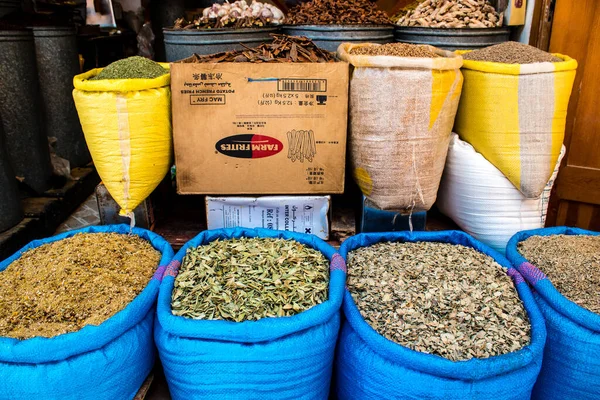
[302,214]
[244,128]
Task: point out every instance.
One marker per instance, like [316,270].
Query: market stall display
[57,64]
[20,104]
[284,292]
[223,27]
[77,314]
[412,300]
[562,264]
[483,202]
[513,112]
[451,25]
[131,151]
[332,22]
[402,106]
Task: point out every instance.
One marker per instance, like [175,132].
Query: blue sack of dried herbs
[289,357]
[98,362]
[370,366]
[571,365]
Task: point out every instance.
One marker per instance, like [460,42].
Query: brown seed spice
[571,262]
[437,298]
[62,286]
[396,50]
[511,53]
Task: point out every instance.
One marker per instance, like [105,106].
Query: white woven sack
[483,202]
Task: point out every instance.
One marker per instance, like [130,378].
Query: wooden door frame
[541,24]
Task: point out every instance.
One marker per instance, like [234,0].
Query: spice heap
[451,14]
[342,12]
[249,279]
[511,53]
[61,287]
[283,49]
[396,50]
[132,68]
[438,298]
[572,263]
[234,15]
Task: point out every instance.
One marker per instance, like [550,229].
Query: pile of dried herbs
[132,68]
[283,49]
[249,279]
[62,286]
[437,298]
[511,53]
[571,262]
[341,12]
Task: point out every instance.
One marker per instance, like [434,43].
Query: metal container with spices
[451,25]
[330,23]
[20,109]
[223,27]
[57,64]
[180,44]
[329,37]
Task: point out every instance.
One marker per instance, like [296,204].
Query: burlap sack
[401,116]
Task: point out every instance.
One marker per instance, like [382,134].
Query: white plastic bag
[483,202]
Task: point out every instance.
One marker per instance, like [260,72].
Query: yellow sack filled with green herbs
[515,115]
[127,127]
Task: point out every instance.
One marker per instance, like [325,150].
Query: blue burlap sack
[369,366]
[105,362]
[571,367]
[272,358]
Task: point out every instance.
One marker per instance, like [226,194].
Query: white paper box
[302,214]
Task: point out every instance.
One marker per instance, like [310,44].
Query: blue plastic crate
[373,219]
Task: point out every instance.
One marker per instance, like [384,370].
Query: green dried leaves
[132,68]
[249,279]
[437,298]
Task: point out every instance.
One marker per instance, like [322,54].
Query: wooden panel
[571,38]
[586,216]
[576,196]
[541,37]
[584,147]
[579,184]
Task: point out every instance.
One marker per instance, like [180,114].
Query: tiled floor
[86,215]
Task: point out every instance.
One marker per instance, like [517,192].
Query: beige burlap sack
[401,115]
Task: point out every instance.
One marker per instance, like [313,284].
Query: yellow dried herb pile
[61,287]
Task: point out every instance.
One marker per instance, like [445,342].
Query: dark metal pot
[329,37]
[451,38]
[57,64]
[26,140]
[180,44]
[10,204]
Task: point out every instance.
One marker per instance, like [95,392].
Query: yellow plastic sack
[401,114]
[515,115]
[127,127]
